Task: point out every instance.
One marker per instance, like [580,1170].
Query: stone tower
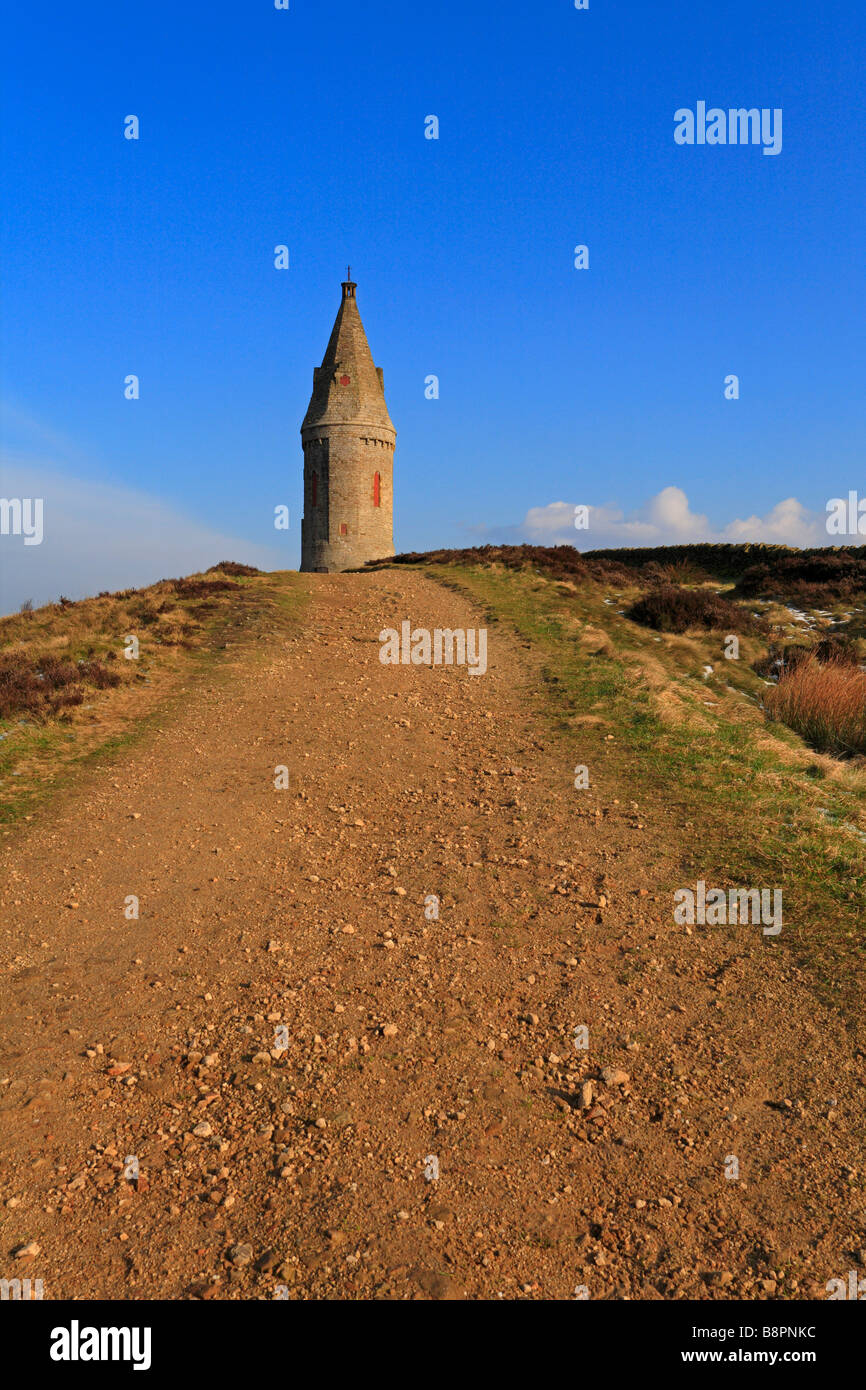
[348,444]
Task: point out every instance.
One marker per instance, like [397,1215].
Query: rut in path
[409,1038]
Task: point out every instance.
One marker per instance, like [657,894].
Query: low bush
[811,580]
[670,608]
[33,687]
[233,568]
[838,649]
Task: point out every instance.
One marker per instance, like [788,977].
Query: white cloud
[789,523]
[101,536]
[666,519]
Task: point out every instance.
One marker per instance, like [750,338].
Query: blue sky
[557,386]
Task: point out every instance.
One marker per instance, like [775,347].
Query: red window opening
[376,494]
[344,530]
[315,481]
[344,380]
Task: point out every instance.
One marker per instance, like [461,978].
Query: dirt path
[408,1039]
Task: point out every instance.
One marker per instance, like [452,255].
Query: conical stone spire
[347,387]
[348,441]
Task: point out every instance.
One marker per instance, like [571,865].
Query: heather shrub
[201,588]
[836,650]
[233,568]
[47,684]
[669,608]
[811,580]
[839,649]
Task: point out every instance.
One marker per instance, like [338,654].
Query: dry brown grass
[165,615]
[51,658]
[66,690]
[823,702]
[836,650]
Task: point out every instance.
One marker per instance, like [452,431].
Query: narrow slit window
[376,490]
[344,530]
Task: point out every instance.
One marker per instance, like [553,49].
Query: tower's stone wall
[348,442]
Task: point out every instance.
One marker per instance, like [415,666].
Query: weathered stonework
[348,441]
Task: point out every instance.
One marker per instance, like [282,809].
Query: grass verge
[669,718]
[187,631]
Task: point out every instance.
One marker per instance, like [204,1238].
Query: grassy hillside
[68,693]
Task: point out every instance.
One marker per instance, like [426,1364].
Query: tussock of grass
[824,702]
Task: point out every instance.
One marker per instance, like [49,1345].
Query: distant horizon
[600,552]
